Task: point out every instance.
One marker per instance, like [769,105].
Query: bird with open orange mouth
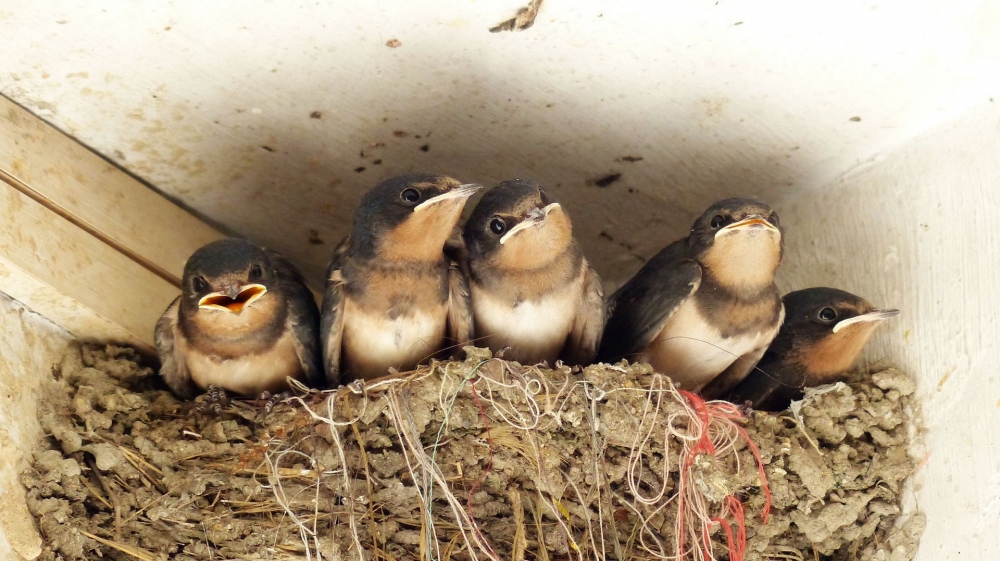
[245,322]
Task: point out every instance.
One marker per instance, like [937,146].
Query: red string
[733,555]
[733,413]
[704,445]
[736,544]
[766,511]
[706,541]
[741,535]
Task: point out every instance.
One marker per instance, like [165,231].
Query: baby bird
[245,322]
[705,308]
[532,289]
[393,298]
[825,330]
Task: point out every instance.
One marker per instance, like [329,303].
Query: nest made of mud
[481,459]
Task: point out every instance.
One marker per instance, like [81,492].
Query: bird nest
[478,459]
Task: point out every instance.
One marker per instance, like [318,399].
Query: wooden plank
[75,279]
[82,242]
[96,196]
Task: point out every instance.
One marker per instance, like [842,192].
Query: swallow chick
[393,298]
[825,330]
[245,321]
[704,309]
[532,289]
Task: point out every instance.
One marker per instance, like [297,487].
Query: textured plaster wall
[30,346]
[916,229]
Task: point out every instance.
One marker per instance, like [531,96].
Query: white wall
[29,347]
[755,97]
[918,229]
[718,98]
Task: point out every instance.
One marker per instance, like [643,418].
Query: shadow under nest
[474,459]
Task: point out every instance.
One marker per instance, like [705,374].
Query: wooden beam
[82,242]
[95,195]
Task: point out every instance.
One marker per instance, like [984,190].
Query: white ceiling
[255,114]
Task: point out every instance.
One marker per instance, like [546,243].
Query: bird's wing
[454,249]
[303,319]
[639,310]
[581,345]
[331,326]
[769,387]
[460,326]
[173,367]
[731,377]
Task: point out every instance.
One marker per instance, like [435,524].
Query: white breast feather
[247,375]
[692,352]
[397,342]
[535,330]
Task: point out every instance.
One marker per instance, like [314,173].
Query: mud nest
[481,459]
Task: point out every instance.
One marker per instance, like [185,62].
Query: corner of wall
[30,346]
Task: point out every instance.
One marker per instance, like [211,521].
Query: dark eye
[717,221]
[498,226]
[828,314]
[256,272]
[199,284]
[410,195]
[773,219]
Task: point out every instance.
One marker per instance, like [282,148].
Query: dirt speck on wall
[481,455]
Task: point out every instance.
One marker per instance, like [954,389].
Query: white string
[532,402]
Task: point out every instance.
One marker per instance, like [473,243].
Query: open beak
[461,192]
[749,223]
[876,316]
[535,218]
[233,300]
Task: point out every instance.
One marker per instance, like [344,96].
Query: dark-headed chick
[393,298]
[532,288]
[245,322]
[825,330]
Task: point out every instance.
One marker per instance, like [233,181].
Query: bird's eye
[828,314]
[717,221]
[498,226]
[410,195]
[255,272]
[773,219]
[199,284]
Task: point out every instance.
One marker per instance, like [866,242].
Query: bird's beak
[535,218]
[876,316]
[234,299]
[461,192]
[749,223]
